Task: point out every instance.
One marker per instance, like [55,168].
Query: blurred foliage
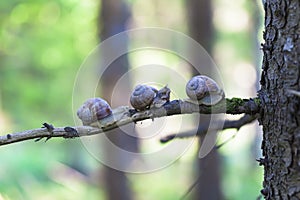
[42,45]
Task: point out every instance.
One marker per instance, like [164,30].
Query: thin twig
[202,130]
[175,107]
[237,124]
[191,187]
[225,142]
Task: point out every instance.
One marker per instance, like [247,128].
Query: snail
[142,97]
[162,97]
[92,110]
[204,90]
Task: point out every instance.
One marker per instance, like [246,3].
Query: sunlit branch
[175,107]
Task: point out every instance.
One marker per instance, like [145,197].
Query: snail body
[92,110]
[142,97]
[162,97]
[204,90]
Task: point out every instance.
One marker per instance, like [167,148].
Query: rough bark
[280,109]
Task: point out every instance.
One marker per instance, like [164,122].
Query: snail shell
[204,90]
[92,110]
[142,97]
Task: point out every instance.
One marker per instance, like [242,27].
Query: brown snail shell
[204,90]
[142,97]
[92,110]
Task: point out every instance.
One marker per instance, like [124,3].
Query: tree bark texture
[280,114]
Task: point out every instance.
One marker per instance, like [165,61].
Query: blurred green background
[42,45]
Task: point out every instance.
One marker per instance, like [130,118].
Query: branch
[202,130]
[175,107]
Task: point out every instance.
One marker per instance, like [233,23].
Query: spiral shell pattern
[204,90]
[142,97]
[92,110]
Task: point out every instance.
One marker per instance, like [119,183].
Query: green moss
[257,101]
[231,104]
[236,101]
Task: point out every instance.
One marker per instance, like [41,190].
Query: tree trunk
[280,115]
[201,30]
[113,19]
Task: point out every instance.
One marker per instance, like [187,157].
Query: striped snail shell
[204,90]
[92,110]
[142,97]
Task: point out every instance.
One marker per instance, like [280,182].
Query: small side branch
[202,130]
[175,107]
[44,133]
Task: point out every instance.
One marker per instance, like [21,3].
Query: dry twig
[202,130]
[175,107]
